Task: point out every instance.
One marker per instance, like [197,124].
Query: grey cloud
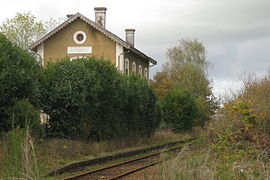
[236,33]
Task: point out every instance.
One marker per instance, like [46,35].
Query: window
[140,70]
[126,66]
[145,73]
[79,37]
[134,67]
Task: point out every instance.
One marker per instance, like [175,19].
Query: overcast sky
[236,33]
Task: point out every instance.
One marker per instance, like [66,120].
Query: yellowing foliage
[241,129]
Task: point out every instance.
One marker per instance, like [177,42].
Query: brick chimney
[100,16]
[130,33]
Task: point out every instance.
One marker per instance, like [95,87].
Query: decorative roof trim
[136,51]
[88,21]
[96,27]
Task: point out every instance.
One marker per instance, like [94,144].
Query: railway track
[122,169]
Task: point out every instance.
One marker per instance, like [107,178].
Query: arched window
[126,66]
[134,67]
[146,73]
[140,70]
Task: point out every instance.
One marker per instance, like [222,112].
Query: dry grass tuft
[17,155]
[54,153]
[202,164]
[189,164]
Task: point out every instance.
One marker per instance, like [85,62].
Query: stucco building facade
[78,36]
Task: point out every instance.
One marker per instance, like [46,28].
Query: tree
[24,29]
[187,68]
[162,83]
[19,77]
[179,109]
[52,23]
[187,52]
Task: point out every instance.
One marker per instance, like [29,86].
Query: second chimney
[100,16]
[70,15]
[130,33]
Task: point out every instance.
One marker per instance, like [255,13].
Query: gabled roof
[96,27]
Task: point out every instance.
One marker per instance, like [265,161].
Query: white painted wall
[119,57]
[40,52]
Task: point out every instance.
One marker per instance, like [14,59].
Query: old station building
[79,37]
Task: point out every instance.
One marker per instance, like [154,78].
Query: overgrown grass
[54,153]
[201,162]
[236,141]
[17,156]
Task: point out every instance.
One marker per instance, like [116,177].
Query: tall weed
[19,160]
[189,164]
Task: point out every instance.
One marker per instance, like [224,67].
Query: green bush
[204,111]
[89,99]
[83,99]
[142,113]
[179,109]
[19,75]
[23,114]
[104,103]
[64,97]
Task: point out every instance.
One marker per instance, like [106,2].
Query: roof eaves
[95,26]
[88,21]
[55,30]
[105,32]
[143,55]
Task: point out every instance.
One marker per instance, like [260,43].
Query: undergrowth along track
[109,158]
[122,169]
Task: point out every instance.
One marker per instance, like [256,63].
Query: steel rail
[135,170]
[122,163]
[112,157]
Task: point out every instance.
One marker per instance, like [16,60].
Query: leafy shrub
[249,109]
[105,102]
[179,109]
[256,97]
[142,113]
[190,76]
[206,108]
[75,95]
[19,74]
[89,99]
[23,114]
[240,130]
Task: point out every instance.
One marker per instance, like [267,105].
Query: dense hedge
[19,74]
[179,109]
[142,114]
[88,98]
[85,99]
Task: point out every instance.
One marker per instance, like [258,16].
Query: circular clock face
[79,37]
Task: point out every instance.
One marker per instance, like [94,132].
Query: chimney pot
[130,34]
[100,16]
[70,15]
